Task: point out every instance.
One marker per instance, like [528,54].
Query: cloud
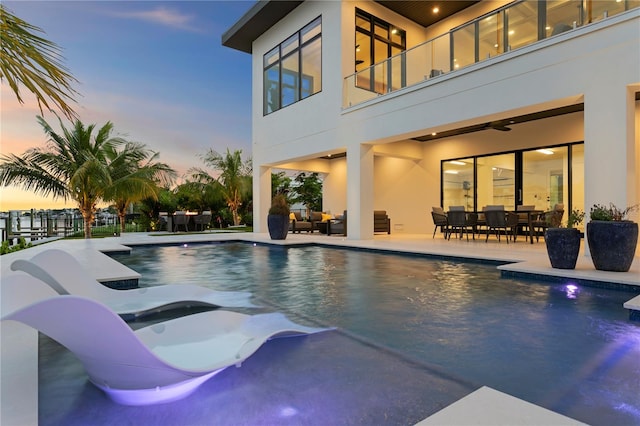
[163,16]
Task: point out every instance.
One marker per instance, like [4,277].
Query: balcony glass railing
[511,27]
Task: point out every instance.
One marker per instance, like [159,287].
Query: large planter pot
[278,226]
[612,244]
[563,246]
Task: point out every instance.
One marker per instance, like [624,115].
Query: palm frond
[31,61]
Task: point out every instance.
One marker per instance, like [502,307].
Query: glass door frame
[518,173]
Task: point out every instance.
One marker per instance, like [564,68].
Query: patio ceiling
[502,125]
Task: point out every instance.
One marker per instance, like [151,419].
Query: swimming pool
[565,347]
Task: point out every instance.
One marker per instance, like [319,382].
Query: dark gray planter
[278,226]
[612,244]
[563,246]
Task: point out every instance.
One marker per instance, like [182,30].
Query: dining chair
[440,219]
[180,219]
[501,221]
[462,222]
[548,219]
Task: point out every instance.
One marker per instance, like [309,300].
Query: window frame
[291,47]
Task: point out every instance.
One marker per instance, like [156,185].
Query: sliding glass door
[545,177]
[540,177]
[496,181]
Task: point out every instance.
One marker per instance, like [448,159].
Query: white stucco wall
[598,65]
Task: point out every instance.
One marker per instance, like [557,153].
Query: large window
[377,40]
[541,177]
[293,69]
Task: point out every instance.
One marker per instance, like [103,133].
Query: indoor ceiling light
[457,163]
[451,172]
[545,151]
[436,9]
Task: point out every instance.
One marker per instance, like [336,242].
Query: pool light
[572,291]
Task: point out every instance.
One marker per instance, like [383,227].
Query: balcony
[511,27]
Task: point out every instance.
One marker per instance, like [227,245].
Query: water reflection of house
[397,105]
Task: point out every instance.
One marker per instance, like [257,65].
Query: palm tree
[74,165]
[135,176]
[34,62]
[235,177]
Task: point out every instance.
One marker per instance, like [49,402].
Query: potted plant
[612,237]
[278,218]
[563,244]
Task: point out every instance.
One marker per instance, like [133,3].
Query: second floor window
[377,40]
[293,69]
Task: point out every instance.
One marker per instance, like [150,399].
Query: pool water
[566,347]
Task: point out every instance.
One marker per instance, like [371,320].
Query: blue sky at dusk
[156,70]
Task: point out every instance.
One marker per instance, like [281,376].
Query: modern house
[406,105]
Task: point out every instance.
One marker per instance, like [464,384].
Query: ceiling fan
[498,125]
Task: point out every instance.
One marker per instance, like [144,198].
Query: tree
[281,184]
[34,62]
[135,176]
[308,191]
[74,165]
[234,178]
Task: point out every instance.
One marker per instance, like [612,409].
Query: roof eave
[262,16]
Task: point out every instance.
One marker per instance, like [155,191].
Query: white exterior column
[609,145]
[261,198]
[360,192]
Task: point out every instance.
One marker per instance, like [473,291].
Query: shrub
[279,206]
[611,213]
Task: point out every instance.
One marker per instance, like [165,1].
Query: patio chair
[440,219]
[298,224]
[338,226]
[548,219]
[202,221]
[160,363]
[67,276]
[180,218]
[499,221]
[381,221]
[463,222]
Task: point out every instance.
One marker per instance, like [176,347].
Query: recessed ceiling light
[433,134]
[451,172]
[545,151]
[436,9]
[457,163]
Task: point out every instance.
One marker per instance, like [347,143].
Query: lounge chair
[339,225]
[298,225]
[66,275]
[160,363]
[17,291]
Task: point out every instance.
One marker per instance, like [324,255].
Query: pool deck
[19,344]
